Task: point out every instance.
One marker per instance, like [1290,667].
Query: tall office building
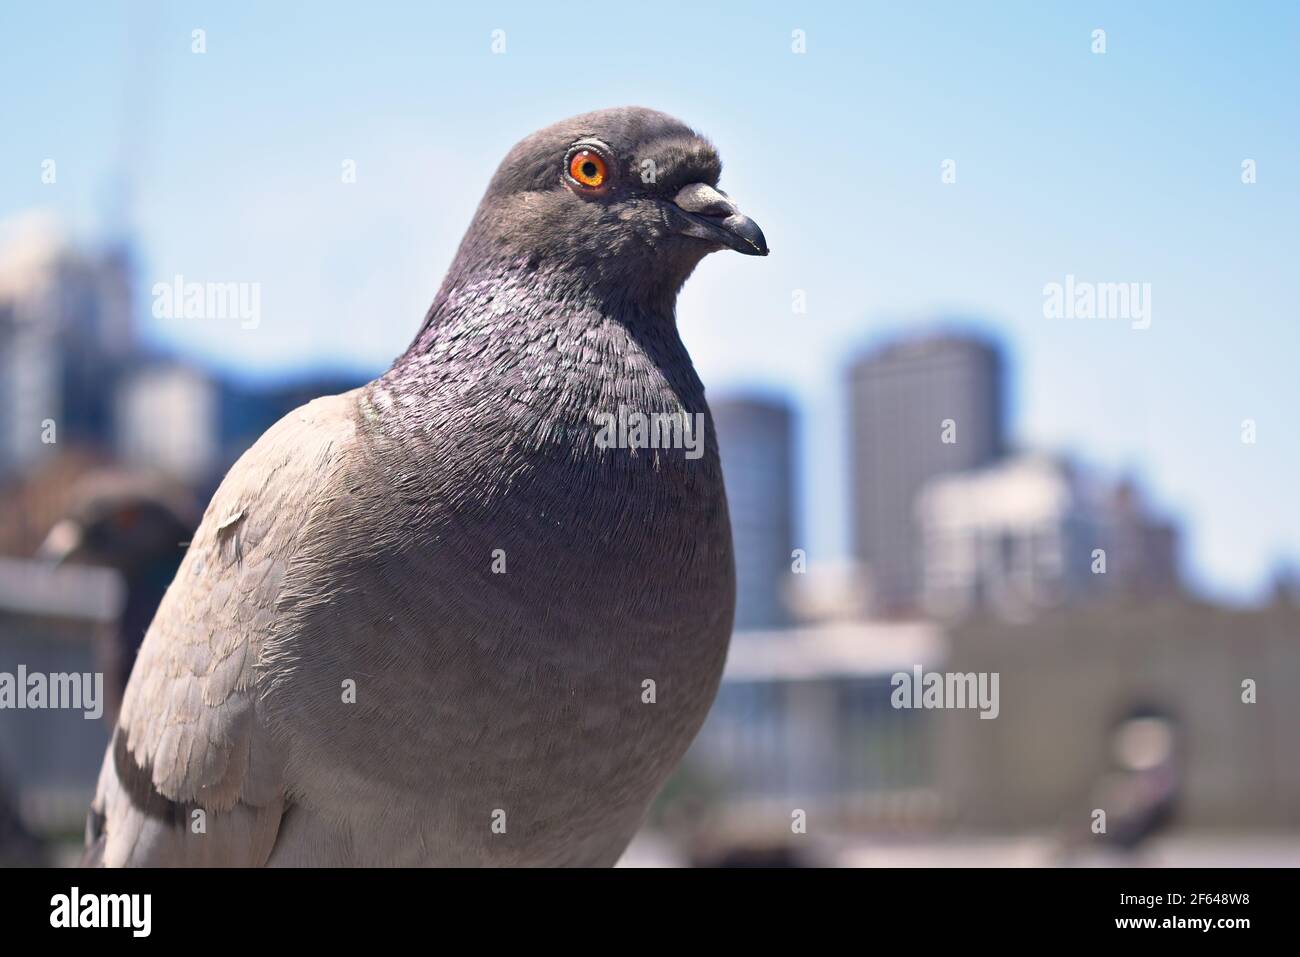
[65,332]
[919,407]
[756,441]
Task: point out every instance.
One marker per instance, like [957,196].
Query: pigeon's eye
[587,167]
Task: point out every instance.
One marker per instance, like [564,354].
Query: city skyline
[1112,168]
[925,408]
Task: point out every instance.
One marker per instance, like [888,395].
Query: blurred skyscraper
[919,407]
[756,440]
[65,331]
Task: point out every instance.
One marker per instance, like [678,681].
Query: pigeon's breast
[545,615]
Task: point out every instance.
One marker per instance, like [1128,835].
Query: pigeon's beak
[701,211]
[63,544]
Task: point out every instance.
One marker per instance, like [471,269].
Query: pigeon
[473,612]
[137,525]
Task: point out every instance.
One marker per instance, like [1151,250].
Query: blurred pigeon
[437,619]
[1142,790]
[137,525]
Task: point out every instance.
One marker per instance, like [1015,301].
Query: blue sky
[1122,167]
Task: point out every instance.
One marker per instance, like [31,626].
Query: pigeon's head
[630,195]
[121,522]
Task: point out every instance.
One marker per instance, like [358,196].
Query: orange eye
[588,168]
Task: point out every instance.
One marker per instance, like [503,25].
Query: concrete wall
[1066,679]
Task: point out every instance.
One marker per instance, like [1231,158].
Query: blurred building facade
[80,391]
[756,443]
[50,622]
[168,415]
[803,720]
[65,334]
[919,407]
[1035,531]
[1224,677]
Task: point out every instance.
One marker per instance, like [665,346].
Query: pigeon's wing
[193,774]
